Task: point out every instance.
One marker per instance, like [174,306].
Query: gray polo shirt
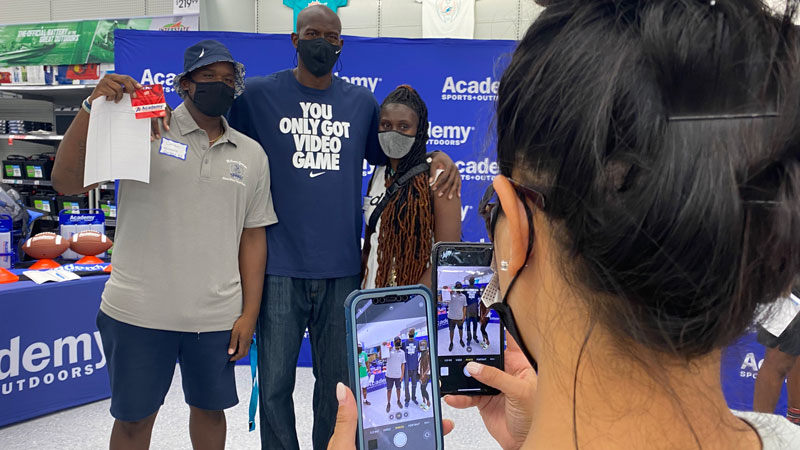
[176,250]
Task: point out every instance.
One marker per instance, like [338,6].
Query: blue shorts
[141,364]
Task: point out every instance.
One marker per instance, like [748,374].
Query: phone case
[437,247]
[352,344]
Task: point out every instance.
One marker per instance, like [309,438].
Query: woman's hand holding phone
[507,416]
[344,434]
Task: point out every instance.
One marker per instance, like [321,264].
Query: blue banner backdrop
[458,80]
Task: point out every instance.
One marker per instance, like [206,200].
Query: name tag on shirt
[173,148]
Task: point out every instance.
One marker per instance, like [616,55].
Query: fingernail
[474,368]
[341,392]
[430,181]
[230,351]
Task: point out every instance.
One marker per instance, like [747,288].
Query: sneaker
[399,404]
[388,407]
[451,347]
[415,401]
[469,341]
[366,402]
[406,403]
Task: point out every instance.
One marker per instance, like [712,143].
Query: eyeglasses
[489,205]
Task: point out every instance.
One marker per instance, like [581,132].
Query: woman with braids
[403,218]
[647,206]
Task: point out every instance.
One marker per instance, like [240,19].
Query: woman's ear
[517,220]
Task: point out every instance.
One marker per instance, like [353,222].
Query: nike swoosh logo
[203,52]
[315,175]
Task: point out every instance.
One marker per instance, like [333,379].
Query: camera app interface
[394,368]
[467,329]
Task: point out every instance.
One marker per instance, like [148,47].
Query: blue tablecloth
[50,349]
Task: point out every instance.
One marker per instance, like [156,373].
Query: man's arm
[252,265]
[71,155]
[444,175]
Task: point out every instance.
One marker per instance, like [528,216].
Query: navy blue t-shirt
[316,142]
[412,355]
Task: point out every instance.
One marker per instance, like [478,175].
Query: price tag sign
[184,7]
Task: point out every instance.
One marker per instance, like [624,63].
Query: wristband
[86,105]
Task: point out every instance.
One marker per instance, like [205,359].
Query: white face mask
[396,145]
[491,293]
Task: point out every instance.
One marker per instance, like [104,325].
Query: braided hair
[406,237]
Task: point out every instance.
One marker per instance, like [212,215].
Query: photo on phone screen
[394,371]
[467,329]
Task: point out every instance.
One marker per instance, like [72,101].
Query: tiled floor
[88,427]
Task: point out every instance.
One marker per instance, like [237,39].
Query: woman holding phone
[648,205]
[403,217]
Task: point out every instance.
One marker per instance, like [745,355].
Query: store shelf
[29,182]
[50,89]
[63,94]
[111,222]
[31,137]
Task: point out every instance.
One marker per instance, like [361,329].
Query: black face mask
[213,99]
[318,55]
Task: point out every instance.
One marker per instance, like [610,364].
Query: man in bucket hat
[170,297]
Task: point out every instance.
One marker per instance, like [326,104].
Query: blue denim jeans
[288,307]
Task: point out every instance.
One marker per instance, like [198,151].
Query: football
[45,246]
[90,243]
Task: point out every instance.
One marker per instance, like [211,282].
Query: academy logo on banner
[25,367]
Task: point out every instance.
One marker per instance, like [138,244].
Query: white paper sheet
[118,144]
[777,318]
[58,275]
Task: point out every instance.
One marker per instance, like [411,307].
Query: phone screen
[467,329]
[394,360]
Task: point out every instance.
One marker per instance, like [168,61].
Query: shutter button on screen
[400,440]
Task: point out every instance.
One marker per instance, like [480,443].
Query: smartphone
[466,329]
[393,368]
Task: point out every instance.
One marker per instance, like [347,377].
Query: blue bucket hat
[205,53]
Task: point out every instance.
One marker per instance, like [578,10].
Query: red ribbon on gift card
[149,102]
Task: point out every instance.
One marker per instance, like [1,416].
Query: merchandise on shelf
[72,203]
[39,167]
[14,167]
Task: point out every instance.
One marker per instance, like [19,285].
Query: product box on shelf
[72,203]
[14,167]
[45,202]
[36,75]
[39,167]
[82,73]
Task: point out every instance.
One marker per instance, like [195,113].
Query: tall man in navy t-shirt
[317,130]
